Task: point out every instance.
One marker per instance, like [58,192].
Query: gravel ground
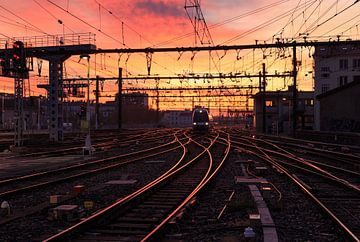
[296,217]
[37,225]
[200,222]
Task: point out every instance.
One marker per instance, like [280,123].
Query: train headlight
[194,123]
[206,123]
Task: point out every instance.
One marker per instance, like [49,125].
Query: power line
[11,12]
[335,15]
[246,14]
[99,30]
[52,15]
[262,25]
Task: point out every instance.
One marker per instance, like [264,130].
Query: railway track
[100,143]
[346,169]
[338,198]
[143,214]
[42,179]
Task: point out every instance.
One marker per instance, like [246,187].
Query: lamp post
[88,148]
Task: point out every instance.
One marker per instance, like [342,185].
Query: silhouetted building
[335,66]
[137,99]
[175,118]
[340,108]
[34,112]
[279,111]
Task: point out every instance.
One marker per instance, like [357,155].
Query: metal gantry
[56,55]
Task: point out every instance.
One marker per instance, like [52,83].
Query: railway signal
[18,58]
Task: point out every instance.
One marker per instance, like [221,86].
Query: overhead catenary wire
[262,25]
[12,13]
[246,14]
[332,17]
[52,15]
[102,32]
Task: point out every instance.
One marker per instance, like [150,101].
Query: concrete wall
[341,111]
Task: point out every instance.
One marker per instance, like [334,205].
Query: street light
[88,148]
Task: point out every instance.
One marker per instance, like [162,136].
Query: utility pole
[39,113]
[157,102]
[294,91]
[97,103]
[120,99]
[263,90]
[3,111]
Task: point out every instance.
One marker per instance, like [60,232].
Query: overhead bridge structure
[64,47]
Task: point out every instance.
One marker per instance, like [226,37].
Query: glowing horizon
[164,23]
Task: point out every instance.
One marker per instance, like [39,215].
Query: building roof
[338,89]
[280,93]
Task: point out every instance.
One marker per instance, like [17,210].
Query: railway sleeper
[137,220]
[138,216]
[156,206]
[161,202]
[149,211]
[119,232]
[132,226]
[105,238]
[165,198]
[172,192]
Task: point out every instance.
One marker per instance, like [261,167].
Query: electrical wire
[12,13]
[52,15]
[102,32]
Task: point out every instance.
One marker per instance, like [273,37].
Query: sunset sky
[165,23]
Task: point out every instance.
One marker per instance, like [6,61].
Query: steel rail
[300,183]
[195,192]
[318,169]
[94,171]
[86,223]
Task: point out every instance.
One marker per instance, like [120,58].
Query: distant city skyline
[160,23]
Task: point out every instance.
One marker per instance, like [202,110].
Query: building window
[325,75]
[309,102]
[343,81]
[343,64]
[325,88]
[325,69]
[269,103]
[356,63]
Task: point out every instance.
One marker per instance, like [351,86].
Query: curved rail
[300,183]
[83,225]
[70,168]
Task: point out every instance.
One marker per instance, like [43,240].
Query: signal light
[16,57]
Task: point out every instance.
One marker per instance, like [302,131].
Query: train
[200,119]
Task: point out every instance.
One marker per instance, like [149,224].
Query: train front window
[201,117]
